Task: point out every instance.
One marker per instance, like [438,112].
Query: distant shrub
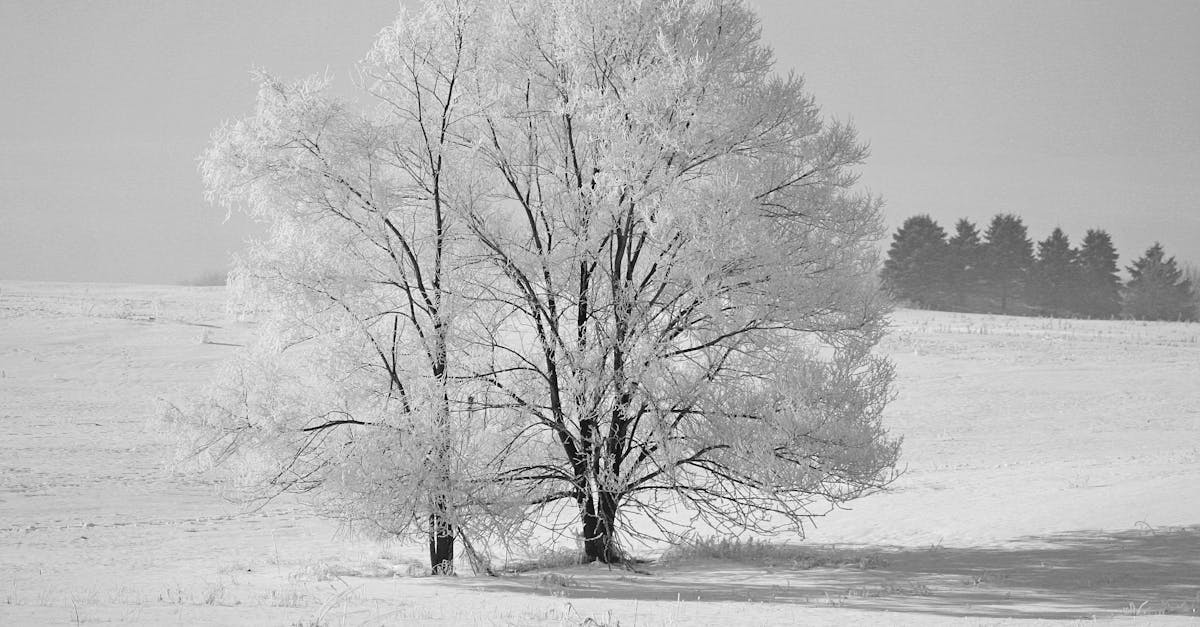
[216,278]
[1191,273]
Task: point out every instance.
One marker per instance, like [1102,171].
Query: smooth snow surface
[1053,471]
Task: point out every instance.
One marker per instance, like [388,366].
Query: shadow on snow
[1071,575]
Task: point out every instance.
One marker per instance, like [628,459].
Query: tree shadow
[1072,575]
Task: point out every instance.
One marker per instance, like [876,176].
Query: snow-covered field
[1053,471]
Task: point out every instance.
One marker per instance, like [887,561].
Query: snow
[1053,471]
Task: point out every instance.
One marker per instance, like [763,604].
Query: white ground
[1053,472]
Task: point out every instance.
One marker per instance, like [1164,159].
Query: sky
[1072,114]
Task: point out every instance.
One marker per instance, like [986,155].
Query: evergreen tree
[1156,289]
[916,267]
[1055,274]
[1008,255]
[1099,292]
[966,259]
[1191,272]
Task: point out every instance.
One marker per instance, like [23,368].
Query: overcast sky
[1073,114]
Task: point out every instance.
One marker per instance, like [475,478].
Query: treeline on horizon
[999,271]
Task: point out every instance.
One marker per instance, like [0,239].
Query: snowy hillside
[1053,471]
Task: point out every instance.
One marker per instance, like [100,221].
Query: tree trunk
[441,530]
[599,530]
[441,544]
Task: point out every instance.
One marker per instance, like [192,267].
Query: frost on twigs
[593,257]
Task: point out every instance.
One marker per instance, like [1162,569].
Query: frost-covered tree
[1008,255]
[586,255]
[355,392]
[1157,289]
[918,266]
[678,234]
[1054,277]
[1099,294]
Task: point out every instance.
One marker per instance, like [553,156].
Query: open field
[1053,472]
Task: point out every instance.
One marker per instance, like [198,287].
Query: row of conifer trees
[998,271]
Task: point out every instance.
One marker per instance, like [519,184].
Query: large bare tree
[677,233]
[592,255]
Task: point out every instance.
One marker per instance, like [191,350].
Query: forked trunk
[441,529]
[599,530]
[441,545]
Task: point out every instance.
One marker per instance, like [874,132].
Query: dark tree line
[1003,271]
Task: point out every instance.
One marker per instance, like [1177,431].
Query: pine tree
[1191,272]
[1099,292]
[966,260]
[916,268]
[1156,289]
[1008,255]
[1054,275]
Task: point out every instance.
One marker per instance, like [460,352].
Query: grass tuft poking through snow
[1187,607]
[775,555]
[561,557]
